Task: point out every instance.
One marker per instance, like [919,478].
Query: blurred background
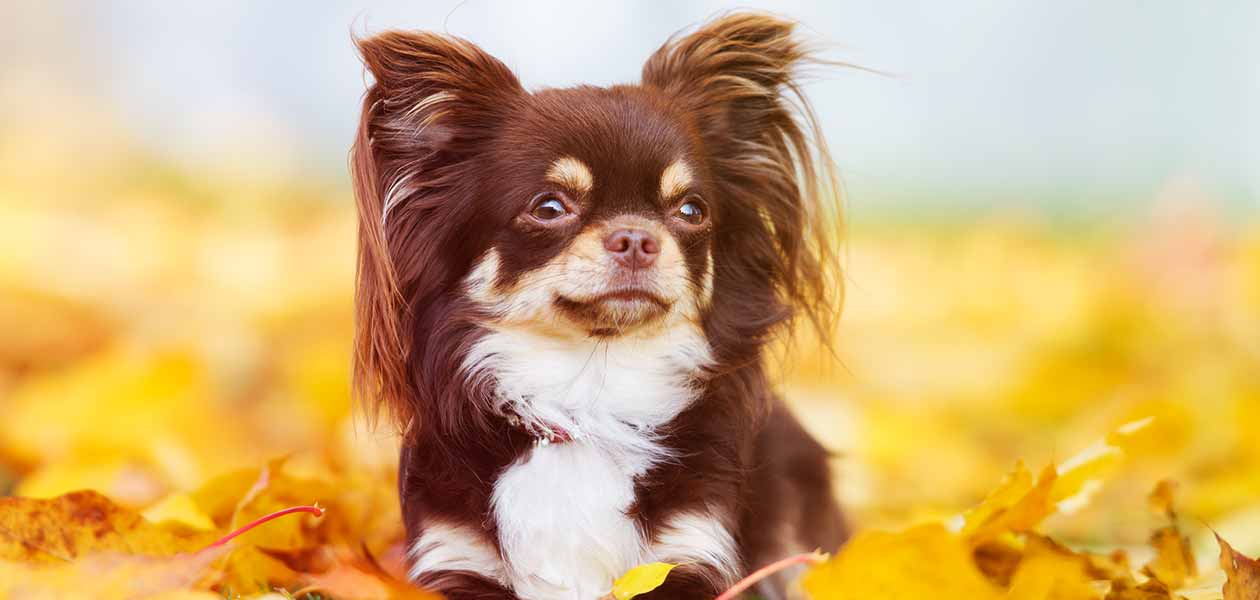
[1053,227]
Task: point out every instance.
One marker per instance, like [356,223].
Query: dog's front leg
[688,582]
[463,585]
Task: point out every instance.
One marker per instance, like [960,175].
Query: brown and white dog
[564,299]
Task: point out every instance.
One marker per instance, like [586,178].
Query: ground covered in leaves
[174,366]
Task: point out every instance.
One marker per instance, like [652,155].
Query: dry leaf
[1151,590]
[1014,487]
[1161,498]
[1019,504]
[998,560]
[922,562]
[179,508]
[1082,475]
[1174,562]
[361,578]
[1014,509]
[1242,574]
[109,576]
[1050,571]
[1114,567]
[80,523]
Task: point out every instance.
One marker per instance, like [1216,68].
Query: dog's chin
[616,313]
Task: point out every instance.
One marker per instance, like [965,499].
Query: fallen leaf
[1151,590]
[1161,498]
[109,576]
[922,562]
[1174,562]
[641,580]
[1011,490]
[1081,476]
[1016,512]
[1242,574]
[80,523]
[360,577]
[998,559]
[179,508]
[1114,567]
[1019,504]
[1050,571]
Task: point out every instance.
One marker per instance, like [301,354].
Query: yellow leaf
[1151,590]
[923,562]
[110,576]
[1015,512]
[1161,498]
[1082,475]
[1174,561]
[1051,572]
[124,480]
[179,508]
[641,580]
[64,528]
[1015,486]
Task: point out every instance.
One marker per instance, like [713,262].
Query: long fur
[447,137]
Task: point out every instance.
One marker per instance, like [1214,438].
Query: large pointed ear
[735,77]
[433,103]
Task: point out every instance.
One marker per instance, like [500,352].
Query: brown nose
[633,248]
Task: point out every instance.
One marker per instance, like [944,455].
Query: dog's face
[600,221]
[695,199]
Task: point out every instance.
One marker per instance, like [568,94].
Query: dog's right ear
[433,103]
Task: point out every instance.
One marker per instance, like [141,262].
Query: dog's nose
[633,248]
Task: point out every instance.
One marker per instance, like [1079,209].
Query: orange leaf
[1242,574]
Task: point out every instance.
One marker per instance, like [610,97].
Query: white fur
[609,393]
[699,537]
[445,547]
[563,527]
[561,510]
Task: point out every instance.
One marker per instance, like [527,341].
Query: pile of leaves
[235,533]
[996,551]
[242,534]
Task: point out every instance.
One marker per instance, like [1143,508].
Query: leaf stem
[812,558]
[313,509]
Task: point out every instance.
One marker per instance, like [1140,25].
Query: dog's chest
[561,509]
[562,522]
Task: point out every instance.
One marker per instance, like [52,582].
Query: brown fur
[441,115]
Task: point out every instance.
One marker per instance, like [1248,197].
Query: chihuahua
[565,299]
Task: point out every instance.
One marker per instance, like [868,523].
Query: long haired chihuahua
[564,300]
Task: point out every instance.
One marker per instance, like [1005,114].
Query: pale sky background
[1075,104]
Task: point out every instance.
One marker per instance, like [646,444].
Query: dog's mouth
[615,312]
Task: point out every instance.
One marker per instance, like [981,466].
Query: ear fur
[434,101]
[735,77]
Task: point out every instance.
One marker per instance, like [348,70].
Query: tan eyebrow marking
[571,172]
[675,179]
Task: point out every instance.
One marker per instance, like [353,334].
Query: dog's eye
[693,211]
[548,208]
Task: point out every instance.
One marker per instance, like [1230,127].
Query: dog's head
[698,198]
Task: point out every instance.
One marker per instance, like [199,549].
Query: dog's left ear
[434,104]
[734,78]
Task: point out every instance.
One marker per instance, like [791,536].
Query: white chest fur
[561,510]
